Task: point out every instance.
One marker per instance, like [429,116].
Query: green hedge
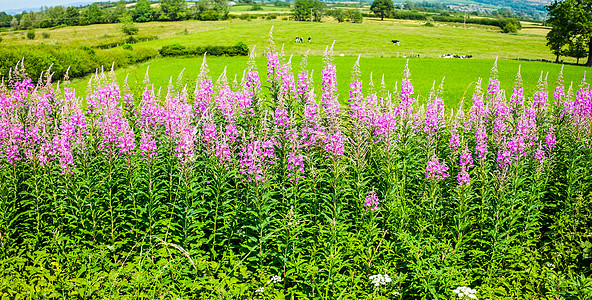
[240,49]
[129,40]
[82,61]
[409,15]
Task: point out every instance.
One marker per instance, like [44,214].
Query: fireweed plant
[209,191]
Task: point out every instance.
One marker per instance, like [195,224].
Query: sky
[28,4]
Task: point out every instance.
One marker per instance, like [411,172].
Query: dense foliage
[571,32]
[240,49]
[256,188]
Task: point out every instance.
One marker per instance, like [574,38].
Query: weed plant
[269,189]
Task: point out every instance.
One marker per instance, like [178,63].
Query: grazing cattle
[297,39]
[301,39]
[396,42]
[309,39]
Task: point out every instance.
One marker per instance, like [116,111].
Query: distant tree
[301,10]
[356,16]
[256,7]
[510,28]
[93,14]
[318,9]
[127,25]
[116,13]
[72,16]
[280,3]
[26,22]
[338,15]
[142,12]
[173,10]
[382,8]
[577,49]
[571,20]
[14,23]
[209,15]
[408,5]
[5,19]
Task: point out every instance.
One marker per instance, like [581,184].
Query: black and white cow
[396,42]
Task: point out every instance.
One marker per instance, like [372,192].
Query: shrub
[256,7]
[31,34]
[45,35]
[127,47]
[428,24]
[127,26]
[209,15]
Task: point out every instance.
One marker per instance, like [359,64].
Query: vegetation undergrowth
[229,193]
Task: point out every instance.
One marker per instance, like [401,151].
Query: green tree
[26,22]
[382,8]
[570,20]
[72,16]
[173,10]
[127,25]
[142,12]
[302,10]
[93,14]
[409,5]
[577,49]
[510,28]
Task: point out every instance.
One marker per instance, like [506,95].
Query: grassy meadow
[460,76]
[371,38]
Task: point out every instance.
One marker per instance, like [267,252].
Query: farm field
[460,75]
[372,38]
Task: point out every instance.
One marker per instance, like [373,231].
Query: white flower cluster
[275,279]
[464,292]
[259,291]
[379,279]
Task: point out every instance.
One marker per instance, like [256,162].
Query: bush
[240,49]
[31,34]
[428,24]
[256,7]
[45,35]
[127,26]
[82,60]
[127,47]
[510,28]
[209,15]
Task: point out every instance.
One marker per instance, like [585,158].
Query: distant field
[372,38]
[461,75]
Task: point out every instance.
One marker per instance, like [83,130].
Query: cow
[297,39]
[309,39]
[396,42]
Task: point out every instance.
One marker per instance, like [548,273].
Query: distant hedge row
[410,15]
[82,61]
[129,40]
[240,49]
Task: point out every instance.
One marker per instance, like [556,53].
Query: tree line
[104,13]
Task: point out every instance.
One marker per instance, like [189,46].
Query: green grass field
[371,39]
[461,75]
